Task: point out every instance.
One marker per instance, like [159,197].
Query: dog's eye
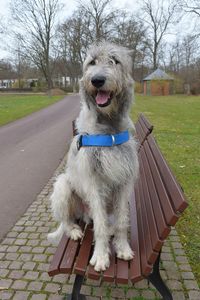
[92,63]
[114,60]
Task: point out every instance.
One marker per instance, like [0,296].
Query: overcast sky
[186,25]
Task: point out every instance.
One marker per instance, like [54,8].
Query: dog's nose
[98,81]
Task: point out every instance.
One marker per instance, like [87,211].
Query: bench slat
[135,268]
[109,274]
[173,188]
[140,133]
[92,274]
[151,254]
[170,215]
[69,256]
[163,228]
[57,258]
[122,271]
[156,241]
[145,266]
[84,252]
[146,122]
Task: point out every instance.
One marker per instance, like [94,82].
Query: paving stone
[174,284]
[4,264]
[5,283]
[143,284]
[3,248]
[8,241]
[15,265]
[117,293]
[132,293]
[30,229]
[182,259]
[45,277]
[61,278]
[43,267]
[167,256]
[194,295]
[67,289]
[12,234]
[31,275]
[4,273]
[19,285]
[185,267]
[26,257]
[43,229]
[12,249]
[179,252]
[39,297]
[23,235]
[6,295]
[29,266]
[178,295]
[38,250]
[20,242]
[2,255]
[33,236]
[35,286]
[148,294]
[191,284]
[25,249]
[12,256]
[33,242]
[20,295]
[40,257]
[16,274]
[187,275]
[52,287]
[18,229]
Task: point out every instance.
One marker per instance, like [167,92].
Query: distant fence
[15,90]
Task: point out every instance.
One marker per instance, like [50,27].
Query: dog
[100,177]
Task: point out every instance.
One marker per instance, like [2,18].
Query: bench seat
[156,204]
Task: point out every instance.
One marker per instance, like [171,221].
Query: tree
[100,18]
[157,17]
[191,6]
[36,21]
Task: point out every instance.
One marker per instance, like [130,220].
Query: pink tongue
[102,97]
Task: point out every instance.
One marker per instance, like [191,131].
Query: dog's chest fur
[105,167]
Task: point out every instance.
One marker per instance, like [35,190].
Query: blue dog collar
[102,140]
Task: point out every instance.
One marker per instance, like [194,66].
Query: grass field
[177,131]
[13,107]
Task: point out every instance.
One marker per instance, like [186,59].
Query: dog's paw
[124,252]
[76,233]
[100,262]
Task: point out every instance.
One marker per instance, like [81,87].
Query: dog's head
[107,76]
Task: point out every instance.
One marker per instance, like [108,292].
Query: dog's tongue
[102,97]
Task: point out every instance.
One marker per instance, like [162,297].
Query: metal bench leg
[76,289]
[156,279]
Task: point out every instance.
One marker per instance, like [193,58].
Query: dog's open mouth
[103,98]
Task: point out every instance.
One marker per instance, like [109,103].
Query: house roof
[159,75]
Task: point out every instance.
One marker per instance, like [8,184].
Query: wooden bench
[156,204]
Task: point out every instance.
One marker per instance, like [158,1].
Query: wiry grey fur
[103,177]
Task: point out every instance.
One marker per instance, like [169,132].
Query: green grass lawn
[13,107]
[177,131]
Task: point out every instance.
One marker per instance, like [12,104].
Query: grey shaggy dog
[100,178]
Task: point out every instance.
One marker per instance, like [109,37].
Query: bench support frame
[156,279]
[76,289]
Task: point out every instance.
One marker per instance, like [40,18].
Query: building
[158,83]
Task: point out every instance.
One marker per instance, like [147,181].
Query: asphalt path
[30,150]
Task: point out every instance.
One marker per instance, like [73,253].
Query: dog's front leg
[100,258]
[121,214]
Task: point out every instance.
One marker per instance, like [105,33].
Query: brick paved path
[25,254]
